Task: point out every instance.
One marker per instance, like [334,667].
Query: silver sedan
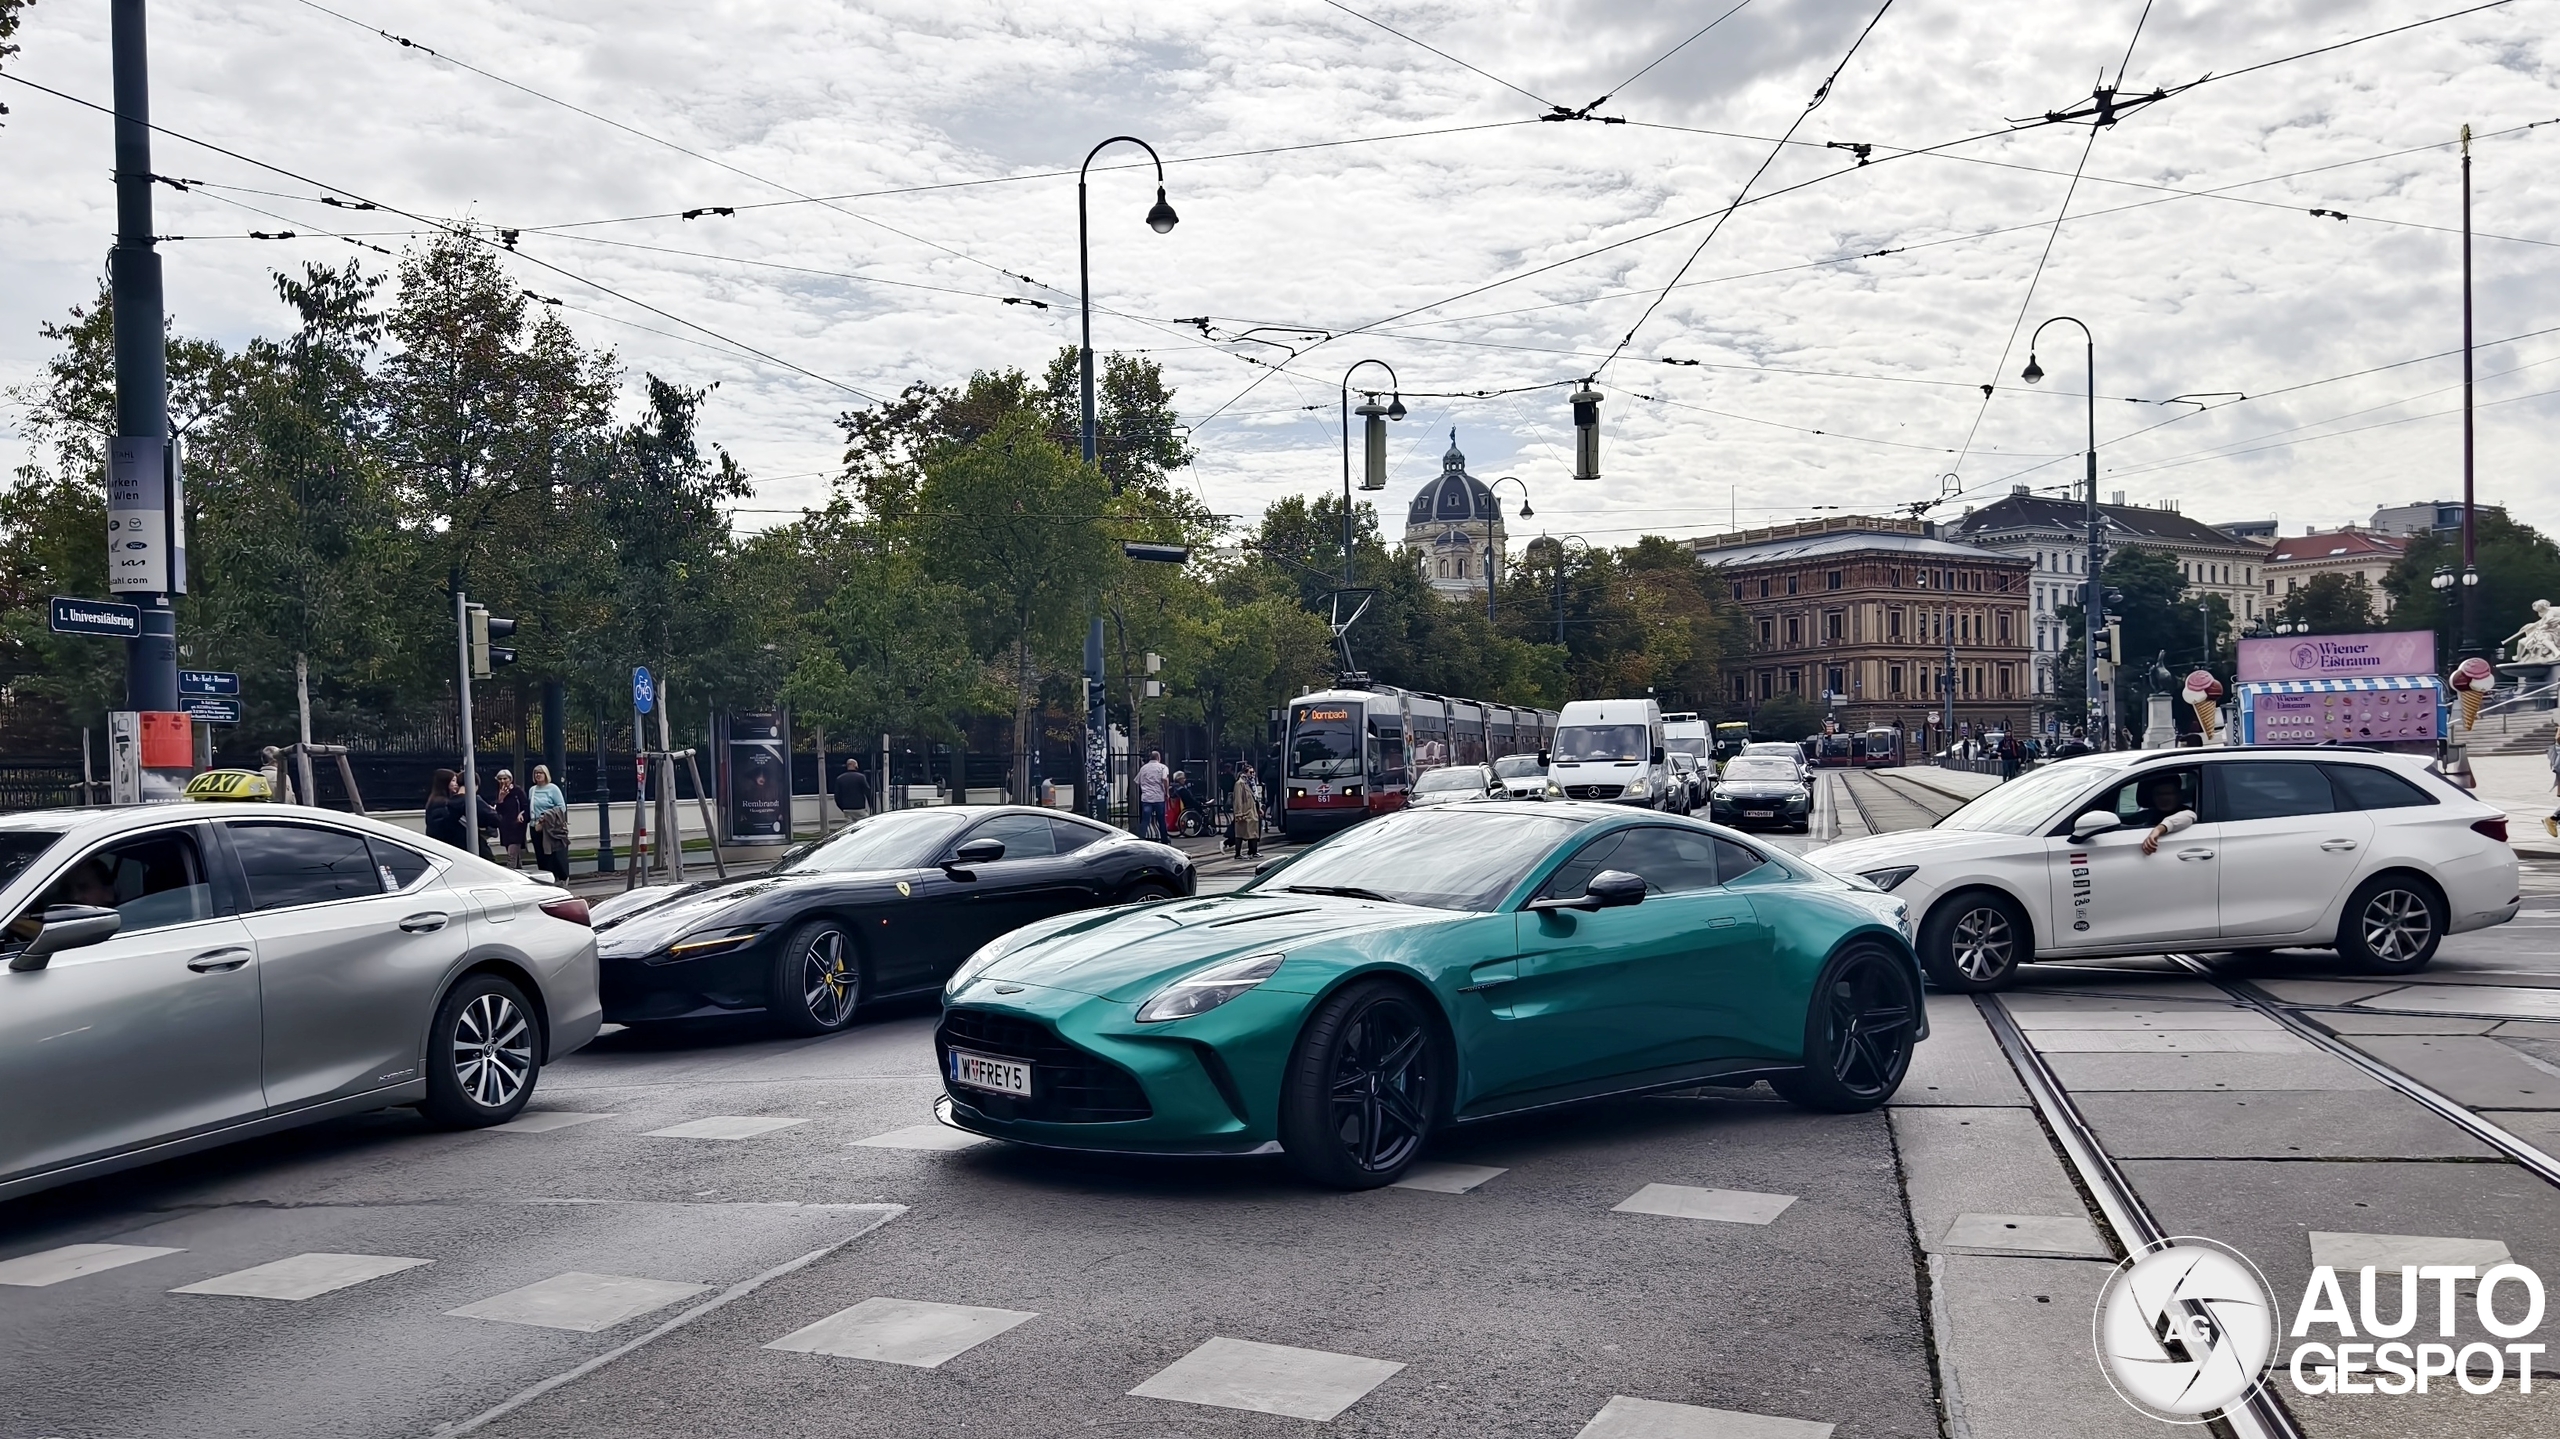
[178,977]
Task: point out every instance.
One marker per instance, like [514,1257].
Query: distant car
[890,906]
[1523,776]
[1762,790]
[2373,854]
[1453,783]
[1792,753]
[179,977]
[1427,970]
[1688,782]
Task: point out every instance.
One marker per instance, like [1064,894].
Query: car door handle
[2195,854]
[2336,846]
[219,961]
[427,923]
[1480,986]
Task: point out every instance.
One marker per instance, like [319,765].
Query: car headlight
[1639,787]
[1204,990]
[1554,790]
[703,942]
[1886,879]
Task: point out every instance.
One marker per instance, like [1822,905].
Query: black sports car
[890,906]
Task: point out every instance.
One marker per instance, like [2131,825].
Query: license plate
[983,1071]
[1759,814]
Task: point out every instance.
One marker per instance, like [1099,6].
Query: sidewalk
[1953,783]
[2520,784]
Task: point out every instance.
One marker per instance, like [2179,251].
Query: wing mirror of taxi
[2096,821]
[66,926]
[1609,889]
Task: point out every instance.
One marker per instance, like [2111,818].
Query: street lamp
[1373,420]
[1558,541]
[2092,607]
[1525,512]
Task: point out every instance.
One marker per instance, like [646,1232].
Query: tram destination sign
[96,617]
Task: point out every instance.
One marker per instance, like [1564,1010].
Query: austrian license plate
[985,1071]
[1759,814]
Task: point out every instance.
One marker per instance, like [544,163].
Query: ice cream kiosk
[2377,689]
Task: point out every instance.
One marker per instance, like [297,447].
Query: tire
[1974,942]
[1858,1031]
[1148,891]
[483,1055]
[2391,925]
[817,983]
[1364,1087]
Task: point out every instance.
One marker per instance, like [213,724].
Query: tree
[2159,625]
[2518,565]
[1137,434]
[1786,717]
[2330,604]
[10,12]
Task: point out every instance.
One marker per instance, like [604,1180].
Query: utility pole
[1947,678]
[146,524]
[2470,533]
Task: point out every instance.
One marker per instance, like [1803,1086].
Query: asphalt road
[586,1273]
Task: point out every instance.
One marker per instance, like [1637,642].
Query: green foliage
[2331,604]
[10,13]
[2518,564]
[2159,626]
[1786,717]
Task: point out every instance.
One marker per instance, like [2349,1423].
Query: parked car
[1428,970]
[887,907]
[1523,776]
[1762,790]
[2151,852]
[1452,783]
[181,977]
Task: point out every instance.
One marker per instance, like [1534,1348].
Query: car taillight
[2494,828]
[574,909]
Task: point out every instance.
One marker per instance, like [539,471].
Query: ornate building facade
[1452,526]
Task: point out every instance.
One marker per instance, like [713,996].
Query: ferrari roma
[888,907]
[1430,968]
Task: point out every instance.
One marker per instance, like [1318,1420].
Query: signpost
[644,691]
[104,618]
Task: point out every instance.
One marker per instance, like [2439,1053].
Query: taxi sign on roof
[228,785]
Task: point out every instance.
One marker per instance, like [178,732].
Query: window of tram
[1324,743]
[1386,751]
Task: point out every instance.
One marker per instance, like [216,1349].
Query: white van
[1611,750]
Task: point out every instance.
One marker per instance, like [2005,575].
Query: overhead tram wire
[1443,54]
[1560,113]
[459,231]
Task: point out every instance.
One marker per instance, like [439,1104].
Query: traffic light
[484,628]
[1586,433]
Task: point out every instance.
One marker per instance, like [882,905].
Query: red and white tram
[1352,753]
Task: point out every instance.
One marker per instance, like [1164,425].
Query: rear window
[2361,786]
[400,865]
[291,864]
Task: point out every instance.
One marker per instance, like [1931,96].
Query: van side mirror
[2096,821]
[1657,754]
[66,926]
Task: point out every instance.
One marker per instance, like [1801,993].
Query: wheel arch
[513,973]
[2416,878]
[2024,911]
[1421,990]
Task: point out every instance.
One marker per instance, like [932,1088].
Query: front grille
[1594,791]
[1068,1085]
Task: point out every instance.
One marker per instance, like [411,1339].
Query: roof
[1454,496]
[2124,523]
[2321,545]
[1844,543]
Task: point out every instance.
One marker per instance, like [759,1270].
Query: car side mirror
[2096,821]
[66,926]
[1609,889]
[1657,754]
[976,851]
[1545,759]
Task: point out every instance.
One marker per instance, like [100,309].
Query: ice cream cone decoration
[2472,681]
[2200,694]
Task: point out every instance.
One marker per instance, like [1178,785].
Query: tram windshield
[1602,742]
[1325,743]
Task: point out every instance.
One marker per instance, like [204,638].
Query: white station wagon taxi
[2373,854]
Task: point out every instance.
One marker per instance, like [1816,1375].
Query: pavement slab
[1269,1379]
[1978,1163]
[1725,1206]
[1438,1178]
[1629,1418]
[2169,1041]
[2344,1022]
[586,1303]
[2016,1349]
[931,1137]
[2274,1124]
[914,1332]
[1959,1063]
[544,1121]
[304,1276]
[2159,1072]
[730,1127]
[2326,991]
[2070,1016]
[2476,1071]
[49,1267]
[2345,1252]
[2503,1001]
[2050,1236]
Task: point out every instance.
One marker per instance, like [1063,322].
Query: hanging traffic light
[1586,433]
[1373,430]
[484,628]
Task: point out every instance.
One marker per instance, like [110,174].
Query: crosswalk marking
[924,1136]
[1447,1178]
[304,1276]
[1268,1379]
[586,1303]
[543,1121]
[914,1332]
[1626,1418]
[1729,1206]
[71,1261]
[725,1126]
[2347,1253]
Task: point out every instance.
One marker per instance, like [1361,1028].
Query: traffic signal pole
[462,691]
[142,525]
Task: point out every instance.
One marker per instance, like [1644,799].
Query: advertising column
[759,781]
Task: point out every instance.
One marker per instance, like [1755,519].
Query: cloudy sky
[900,169]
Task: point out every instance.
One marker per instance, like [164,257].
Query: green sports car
[1430,968]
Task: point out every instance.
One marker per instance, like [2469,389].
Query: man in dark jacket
[852,790]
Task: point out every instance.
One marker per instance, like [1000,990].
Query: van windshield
[1602,742]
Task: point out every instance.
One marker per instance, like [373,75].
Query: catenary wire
[1443,54]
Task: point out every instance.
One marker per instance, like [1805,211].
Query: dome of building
[1455,496]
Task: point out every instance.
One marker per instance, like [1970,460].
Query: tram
[1880,748]
[1352,753]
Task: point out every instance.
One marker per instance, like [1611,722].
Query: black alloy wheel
[817,979]
[1363,1090]
[2391,925]
[483,1055]
[1859,1034]
[1974,941]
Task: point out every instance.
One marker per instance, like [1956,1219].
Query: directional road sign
[208,682]
[644,690]
[96,617]
[204,710]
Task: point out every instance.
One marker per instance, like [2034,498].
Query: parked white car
[2373,854]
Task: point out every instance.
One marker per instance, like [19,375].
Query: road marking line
[71,1261]
[724,1126]
[1268,1379]
[1446,1178]
[2347,1253]
[1728,1206]
[543,1121]
[923,1136]
[1626,1418]
[303,1276]
[587,1303]
[914,1332]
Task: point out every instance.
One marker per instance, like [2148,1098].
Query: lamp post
[2092,606]
[1095,780]
[1559,542]
[1525,512]
[1374,417]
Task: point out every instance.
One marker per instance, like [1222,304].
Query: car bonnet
[1127,954]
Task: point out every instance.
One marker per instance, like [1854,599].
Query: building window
[1835,626]
[1831,580]
[1836,680]
[1893,680]
[2004,682]
[1737,589]
[1764,588]
[1795,681]
[1893,576]
[1791,584]
[1893,624]
[1795,631]
[1741,689]
[1768,635]
[1768,683]
[2004,627]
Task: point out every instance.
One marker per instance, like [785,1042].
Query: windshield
[1325,743]
[1455,777]
[1452,857]
[1695,746]
[19,848]
[1519,766]
[1746,768]
[1602,741]
[2024,804]
[1784,751]
[901,839]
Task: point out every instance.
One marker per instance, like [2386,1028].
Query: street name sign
[205,710]
[96,617]
[208,682]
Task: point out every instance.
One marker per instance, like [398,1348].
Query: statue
[2538,643]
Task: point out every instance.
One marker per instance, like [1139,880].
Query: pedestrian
[1048,793]
[1244,830]
[509,809]
[2551,757]
[2009,757]
[1152,778]
[852,790]
[1176,796]
[448,820]
[547,815]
